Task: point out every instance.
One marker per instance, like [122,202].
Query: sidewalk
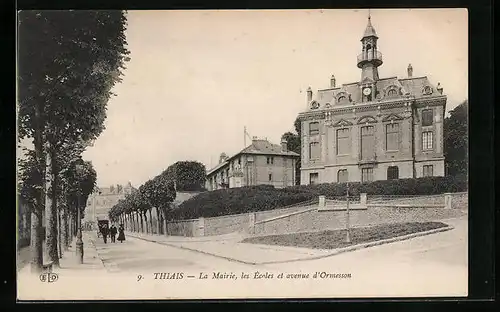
[69,261]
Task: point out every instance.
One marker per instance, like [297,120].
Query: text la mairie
[374,129]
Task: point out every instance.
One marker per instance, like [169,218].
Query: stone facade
[260,163]
[374,129]
[100,202]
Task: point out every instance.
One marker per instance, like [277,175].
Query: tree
[188,175]
[294,144]
[69,61]
[31,191]
[456,140]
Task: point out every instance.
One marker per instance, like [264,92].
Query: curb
[92,241]
[330,254]
[366,245]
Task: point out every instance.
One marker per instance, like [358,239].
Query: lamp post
[348,229]
[79,242]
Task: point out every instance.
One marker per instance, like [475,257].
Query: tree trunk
[51,209]
[36,239]
[136,223]
[164,213]
[146,220]
[142,224]
[158,221]
[64,220]
[151,221]
[59,233]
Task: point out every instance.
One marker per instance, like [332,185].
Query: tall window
[427,116]
[427,140]
[342,176]
[314,128]
[392,137]
[270,177]
[270,160]
[367,142]
[314,150]
[366,174]
[313,178]
[343,141]
[428,171]
[392,173]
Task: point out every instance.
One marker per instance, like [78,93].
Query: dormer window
[427,90]
[392,92]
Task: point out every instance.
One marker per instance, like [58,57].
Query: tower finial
[369,15]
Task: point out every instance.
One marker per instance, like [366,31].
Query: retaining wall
[379,209]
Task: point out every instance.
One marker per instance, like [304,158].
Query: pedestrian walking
[121,233]
[105,232]
[112,233]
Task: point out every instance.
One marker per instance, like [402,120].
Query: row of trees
[68,63]
[135,210]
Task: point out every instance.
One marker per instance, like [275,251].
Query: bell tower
[369,60]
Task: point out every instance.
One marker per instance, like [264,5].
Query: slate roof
[258,147]
[413,86]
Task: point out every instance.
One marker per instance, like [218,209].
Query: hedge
[266,197]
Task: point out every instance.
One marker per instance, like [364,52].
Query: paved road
[136,255]
[433,265]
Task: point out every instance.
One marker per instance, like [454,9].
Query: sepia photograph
[242,154]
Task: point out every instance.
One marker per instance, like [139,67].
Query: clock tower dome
[369,60]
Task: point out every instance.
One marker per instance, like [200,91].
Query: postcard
[242,154]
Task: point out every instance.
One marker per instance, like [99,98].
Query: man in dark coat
[105,232]
[112,233]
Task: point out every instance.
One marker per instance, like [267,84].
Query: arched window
[392,173]
[391,92]
[341,98]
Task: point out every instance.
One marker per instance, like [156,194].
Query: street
[432,265]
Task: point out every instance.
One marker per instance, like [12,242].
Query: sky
[196,78]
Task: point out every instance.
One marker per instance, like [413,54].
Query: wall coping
[286,215]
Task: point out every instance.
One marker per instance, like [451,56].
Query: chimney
[332,82]
[309,95]
[439,88]
[284,147]
[222,158]
[410,71]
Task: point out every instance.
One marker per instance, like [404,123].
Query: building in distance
[375,128]
[100,202]
[262,162]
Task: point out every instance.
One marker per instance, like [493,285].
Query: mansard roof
[414,86]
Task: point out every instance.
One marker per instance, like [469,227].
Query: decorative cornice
[340,123]
[392,117]
[367,119]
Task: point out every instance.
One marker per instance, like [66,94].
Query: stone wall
[226,224]
[406,200]
[379,209]
[460,200]
[321,220]
[182,228]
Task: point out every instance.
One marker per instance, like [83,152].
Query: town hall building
[375,128]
